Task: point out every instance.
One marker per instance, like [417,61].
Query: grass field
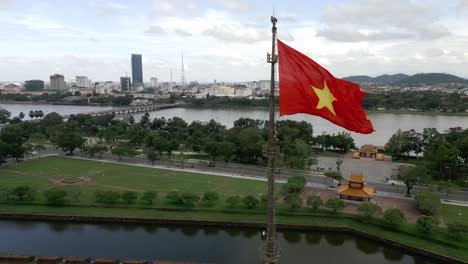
[46,173]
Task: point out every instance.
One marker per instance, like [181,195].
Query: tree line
[243,143]
[443,156]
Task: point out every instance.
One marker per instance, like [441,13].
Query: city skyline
[228,40]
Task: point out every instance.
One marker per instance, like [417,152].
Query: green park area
[66,186]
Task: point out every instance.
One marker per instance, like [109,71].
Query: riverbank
[403,112]
[435,246]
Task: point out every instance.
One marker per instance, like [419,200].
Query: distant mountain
[390,78]
[432,78]
[427,78]
[359,79]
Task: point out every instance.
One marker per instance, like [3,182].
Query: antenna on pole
[170,80]
[182,73]
[270,251]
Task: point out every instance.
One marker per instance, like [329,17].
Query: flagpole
[271,252]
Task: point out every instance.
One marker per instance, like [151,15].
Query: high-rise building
[34,85]
[137,71]
[82,81]
[154,82]
[125,85]
[57,81]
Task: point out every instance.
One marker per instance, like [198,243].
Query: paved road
[313,178]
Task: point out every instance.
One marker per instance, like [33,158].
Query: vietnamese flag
[306,87]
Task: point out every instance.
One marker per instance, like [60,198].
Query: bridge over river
[127,110]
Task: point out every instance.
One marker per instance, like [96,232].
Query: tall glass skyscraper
[137,70]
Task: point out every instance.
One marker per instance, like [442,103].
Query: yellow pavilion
[356,189]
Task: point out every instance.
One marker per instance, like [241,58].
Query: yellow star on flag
[326,98]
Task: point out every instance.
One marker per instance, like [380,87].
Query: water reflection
[392,254]
[367,246]
[190,244]
[313,238]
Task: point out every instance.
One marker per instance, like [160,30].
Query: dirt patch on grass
[75,181]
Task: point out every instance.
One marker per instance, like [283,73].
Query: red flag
[306,87]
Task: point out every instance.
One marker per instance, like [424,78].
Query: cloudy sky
[228,40]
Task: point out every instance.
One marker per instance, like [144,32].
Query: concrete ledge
[134,261]
[48,260]
[106,261]
[77,260]
[16,258]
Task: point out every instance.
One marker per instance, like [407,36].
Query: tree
[95,149]
[446,186]
[225,150]
[123,150]
[314,201]
[294,201]
[427,202]
[457,230]
[107,197]
[338,164]
[398,144]
[250,201]
[299,154]
[440,156]
[210,198]
[21,193]
[369,209]
[410,176]
[21,115]
[426,223]
[152,156]
[32,114]
[233,201]
[51,120]
[148,197]
[393,217]
[295,184]
[4,116]
[334,175]
[188,199]
[55,197]
[129,197]
[75,195]
[335,204]
[67,139]
[173,197]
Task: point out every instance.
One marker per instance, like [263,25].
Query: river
[385,124]
[207,245]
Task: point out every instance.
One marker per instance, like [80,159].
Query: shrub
[55,197]
[21,193]
[107,197]
[295,184]
[210,198]
[189,199]
[233,201]
[394,217]
[148,197]
[173,197]
[335,204]
[457,230]
[294,201]
[129,197]
[427,202]
[314,201]
[426,223]
[75,195]
[250,201]
[264,199]
[369,209]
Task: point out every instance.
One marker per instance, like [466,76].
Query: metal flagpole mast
[271,252]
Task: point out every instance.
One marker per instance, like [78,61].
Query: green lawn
[453,213]
[38,173]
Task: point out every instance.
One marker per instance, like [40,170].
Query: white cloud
[237,5]
[382,20]
[182,32]
[155,30]
[237,33]
[163,8]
